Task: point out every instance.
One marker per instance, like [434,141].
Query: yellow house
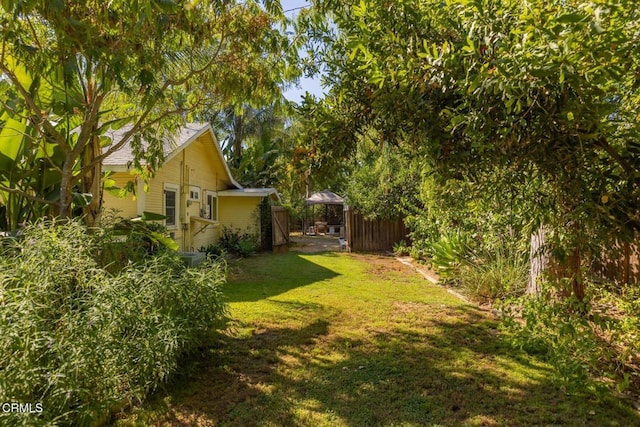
[193,188]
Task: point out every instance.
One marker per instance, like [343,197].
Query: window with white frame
[211,205]
[194,193]
[171,197]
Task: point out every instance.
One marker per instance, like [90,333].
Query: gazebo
[331,226]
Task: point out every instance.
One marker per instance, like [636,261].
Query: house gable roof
[189,133]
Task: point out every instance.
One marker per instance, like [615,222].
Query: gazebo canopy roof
[325,197]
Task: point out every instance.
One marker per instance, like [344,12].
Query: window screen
[170,206]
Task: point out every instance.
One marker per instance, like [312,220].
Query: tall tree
[238,126]
[74,69]
[551,88]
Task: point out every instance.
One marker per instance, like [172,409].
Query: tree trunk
[66,188]
[571,269]
[574,262]
[92,183]
[238,136]
[538,261]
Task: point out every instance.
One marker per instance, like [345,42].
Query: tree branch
[604,144]
[90,121]
[27,195]
[125,139]
[201,70]
[138,125]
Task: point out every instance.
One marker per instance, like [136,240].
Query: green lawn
[336,339]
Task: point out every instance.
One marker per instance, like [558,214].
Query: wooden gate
[280,228]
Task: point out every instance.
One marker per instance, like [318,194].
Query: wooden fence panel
[280,227]
[622,263]
[372,236]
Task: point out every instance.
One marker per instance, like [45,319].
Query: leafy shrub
[485,274]
[84,342]
[560,335]
[245,247]
[125,241]
[232,242]
[416,252]
[213,250]
[400,248]
[448,253]
[593,345]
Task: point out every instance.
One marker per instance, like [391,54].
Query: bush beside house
[84,341]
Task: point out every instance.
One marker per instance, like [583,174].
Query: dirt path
[313,244]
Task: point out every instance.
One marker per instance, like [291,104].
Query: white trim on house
[194,193]
[141,196]
[205,204]
[248,192]
[175,188]
[192,138]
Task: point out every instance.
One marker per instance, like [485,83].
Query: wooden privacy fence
[280,227]
[364,235]
[622,263]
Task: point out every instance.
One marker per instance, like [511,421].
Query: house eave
[250,192]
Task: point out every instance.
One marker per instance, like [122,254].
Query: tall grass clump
[494,275]
[79,342]
[483,272]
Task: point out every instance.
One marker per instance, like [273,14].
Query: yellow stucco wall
[198,165]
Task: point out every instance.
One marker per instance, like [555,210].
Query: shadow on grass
[274,275]
[451,371]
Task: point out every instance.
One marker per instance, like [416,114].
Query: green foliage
[29,178]
[621,306]
[449,253]
[85,342]
[562,335]
[383,180]
[482,271]
[77,69]
[520,113]
[400,248]
[233,242]
[318,161]
[126,241]
[494,276]
[596,351]
[254,141]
